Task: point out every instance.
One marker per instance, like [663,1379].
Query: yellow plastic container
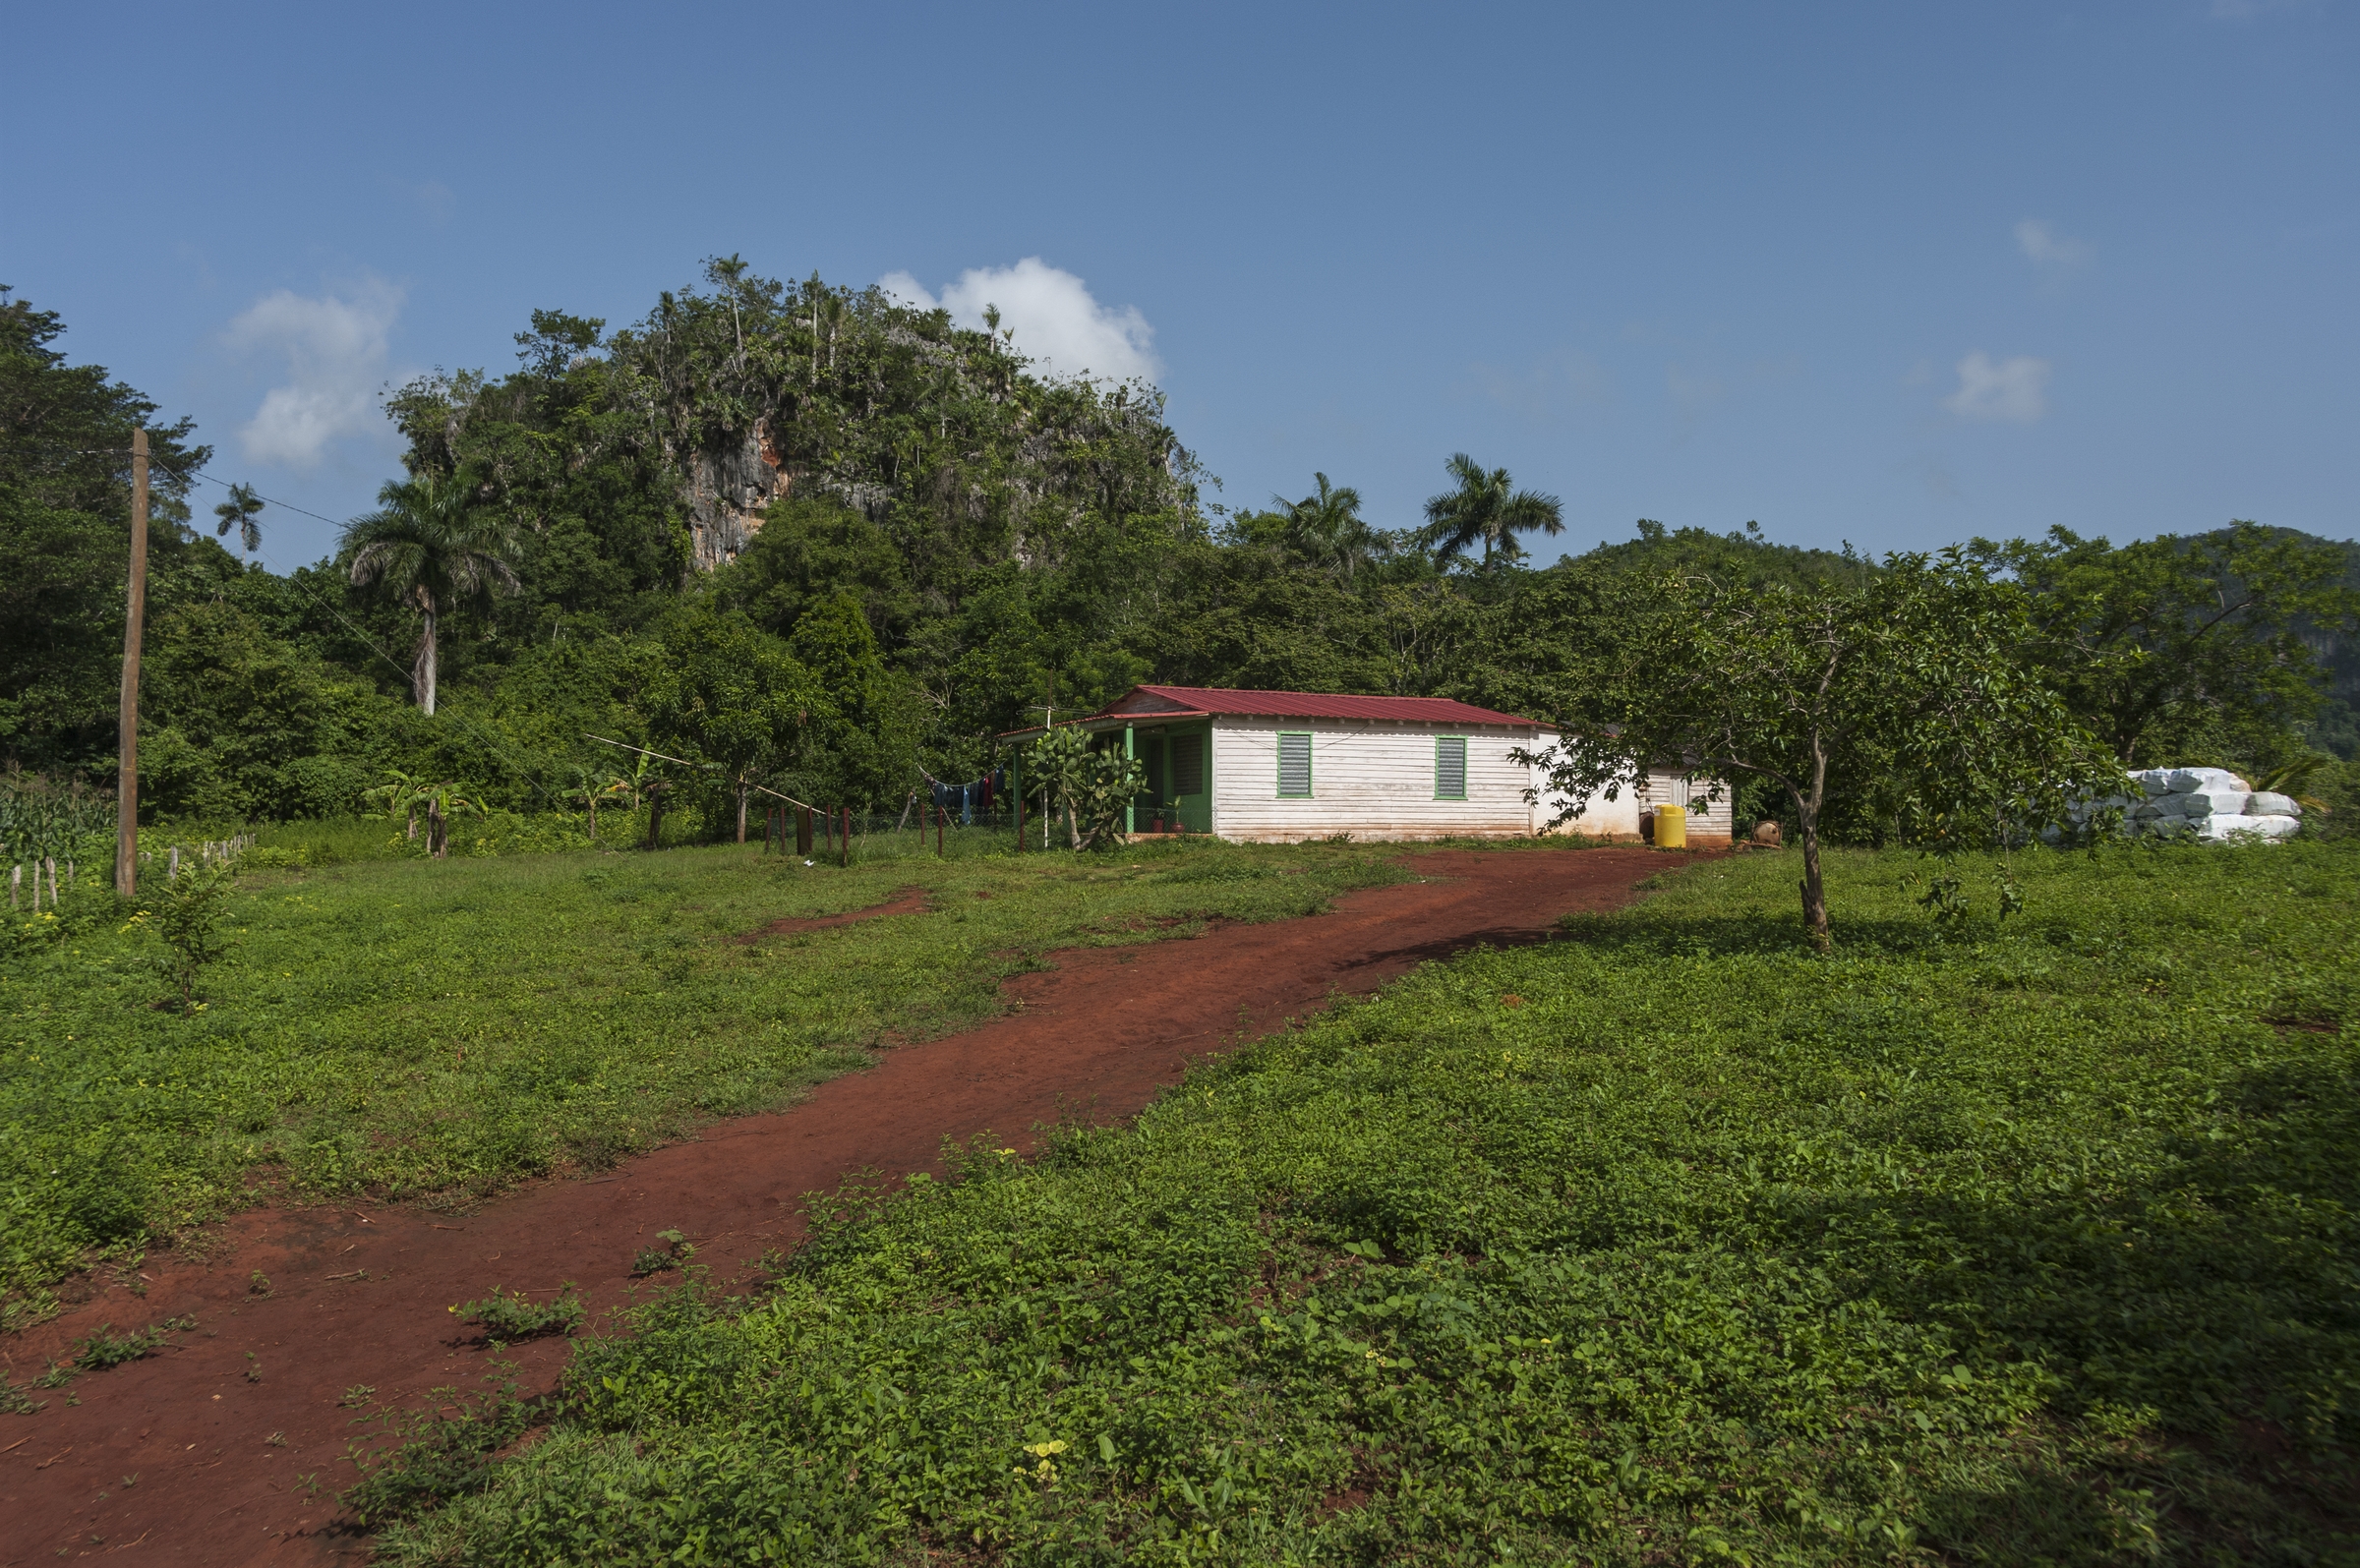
[1671,827]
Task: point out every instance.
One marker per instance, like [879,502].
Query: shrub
[510,1318]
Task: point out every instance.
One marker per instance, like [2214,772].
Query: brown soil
[909,901]
[219,1428]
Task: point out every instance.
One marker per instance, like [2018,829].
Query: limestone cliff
[729,485]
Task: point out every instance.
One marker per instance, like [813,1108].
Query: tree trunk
[594,819]
[741,811]
[422,679]
[438,832]
[1814,892]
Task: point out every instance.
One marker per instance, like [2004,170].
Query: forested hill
[889,527]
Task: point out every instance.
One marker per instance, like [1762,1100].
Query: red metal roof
[1173,702]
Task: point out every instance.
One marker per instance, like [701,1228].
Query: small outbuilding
[1287,766]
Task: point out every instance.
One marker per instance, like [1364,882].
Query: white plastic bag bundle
[2270,804]
[2187,779]
[2206,803]
[2247,829]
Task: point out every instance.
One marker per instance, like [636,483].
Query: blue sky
[1896,275]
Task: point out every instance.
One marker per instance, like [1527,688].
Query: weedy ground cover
[1666,1242]
[438,1029]
[510,1318]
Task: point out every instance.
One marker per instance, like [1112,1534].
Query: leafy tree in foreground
[1486,507]
[430,546]
[184,912]
[2174,646]
[1910,690]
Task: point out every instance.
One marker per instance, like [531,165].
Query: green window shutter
[1188,765]
[1449,767]
[1294,766]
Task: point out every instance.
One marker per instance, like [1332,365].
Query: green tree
[731,696]
[858,746]
[1911,691]
[1486,507]
[2193,647]
[239,512]
[586,786]
[431,545]
[1324,530]
[65,536]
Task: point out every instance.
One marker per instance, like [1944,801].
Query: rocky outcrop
[729,487]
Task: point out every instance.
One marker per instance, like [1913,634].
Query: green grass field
[1667,1243]
[438,1029]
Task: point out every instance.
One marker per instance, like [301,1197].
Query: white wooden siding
[1671,788]
[1369,780]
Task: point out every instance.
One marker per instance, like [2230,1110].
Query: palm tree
[430,545]
[1325,529]
[1485,507]
[239,512]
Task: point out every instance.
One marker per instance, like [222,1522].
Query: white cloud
[1055,319]
[336,357]
[2038,241]
[2010,389]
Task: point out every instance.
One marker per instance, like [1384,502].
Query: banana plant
[590,785]
[2293,779]
[437,802]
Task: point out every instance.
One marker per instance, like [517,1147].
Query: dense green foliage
[1903,698]
[932,542]
[438,1029]
[65,530]
[1665,1243]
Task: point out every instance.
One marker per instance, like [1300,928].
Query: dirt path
[220,1429]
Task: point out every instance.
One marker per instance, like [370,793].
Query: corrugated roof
[1175,701]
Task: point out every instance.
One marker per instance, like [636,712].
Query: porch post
[1129,802]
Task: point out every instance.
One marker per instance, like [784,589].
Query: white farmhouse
[1286,766]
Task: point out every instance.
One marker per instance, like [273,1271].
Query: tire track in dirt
[221,1429]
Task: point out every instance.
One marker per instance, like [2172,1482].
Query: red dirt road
[220,1429]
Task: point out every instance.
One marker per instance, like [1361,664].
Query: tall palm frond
[430,545]
[1485,506]
[1325,529]
[239,512]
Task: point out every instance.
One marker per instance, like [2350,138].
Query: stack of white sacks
[2210,804]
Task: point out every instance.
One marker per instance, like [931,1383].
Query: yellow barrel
[1671,827]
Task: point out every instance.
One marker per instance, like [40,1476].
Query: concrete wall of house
[1618,819]
[1705,822]
[1369,780]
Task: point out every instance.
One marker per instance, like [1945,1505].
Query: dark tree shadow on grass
[2218,1293]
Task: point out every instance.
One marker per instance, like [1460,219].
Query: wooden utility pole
[127,771]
